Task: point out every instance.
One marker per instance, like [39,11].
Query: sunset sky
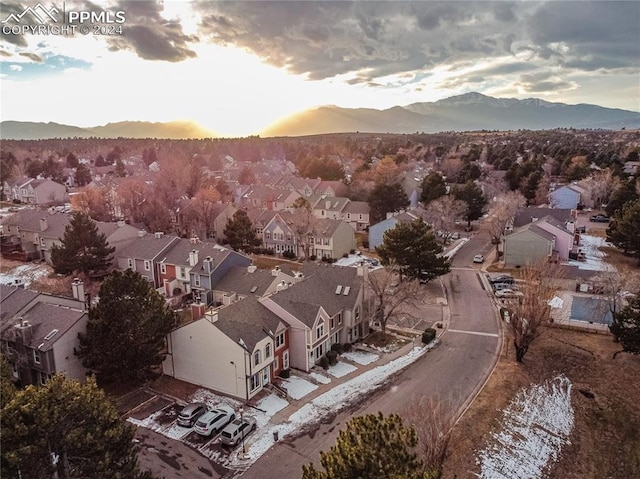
[236,67]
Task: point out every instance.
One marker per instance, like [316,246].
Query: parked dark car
[599,219]
[503,278]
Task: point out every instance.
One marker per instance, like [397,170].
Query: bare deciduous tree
[432,421]
[615,286]
[598,187]
[502,209]
[389,295]
[201,212]
[302,222]
[443,212]
[529,312]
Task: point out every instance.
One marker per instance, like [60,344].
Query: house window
[276,363]
[280,340]
[196,280]
[256,358]
[44,377]
[356,313]
[163,268]
[36,356]
[268,234]
[255,381]
[259,230]
[147,265]
[335,339]
[288,236]
[285,360]
[333,322]
[359,217]
[183,272]
[267,351]
[320,330]
[325,241]
[340,317]
[130,263]
[265,376]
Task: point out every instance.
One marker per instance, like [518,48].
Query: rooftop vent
[51,335]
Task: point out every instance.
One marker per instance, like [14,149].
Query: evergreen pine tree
[626,326]
[472,195]
[73,422]
[126,330]
[386,198]
[83,248]
[240,233]
[412,249]
[624,229]
[371,446]
[433,187]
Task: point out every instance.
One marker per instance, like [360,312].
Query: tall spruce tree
[83,248]
[371,446]
[624,229]
[626,326]
[66,429]
[433,187]
[240,233]
[412,250]
[472,195]
[386,198]
[126,331]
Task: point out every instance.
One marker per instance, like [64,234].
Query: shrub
[365,244]
[285,373]
[346,347]
[312,257]
[289,255]
[337,347]
[332,356]
[346,255]
[428,335]
[324,362]
[352,251]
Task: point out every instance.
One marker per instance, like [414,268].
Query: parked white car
[236,430]
[508,293]
[214,421]
[478,258]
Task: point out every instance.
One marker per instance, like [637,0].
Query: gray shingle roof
[525,215]
[239,279]
[318,288]
[325,227]
[357,207]
[12,300]
[247,320]
[147,247]
[29,220]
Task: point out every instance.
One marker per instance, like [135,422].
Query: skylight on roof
[346,290]
[339,289]
[51,334]
[253,289]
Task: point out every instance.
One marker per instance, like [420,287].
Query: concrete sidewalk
[385,358]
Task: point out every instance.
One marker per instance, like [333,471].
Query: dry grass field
[605,441]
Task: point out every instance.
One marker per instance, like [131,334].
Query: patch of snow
[24,274]
[321,378]
[325,404]
[272,404]
[361,357]
[341,369]
[556,302]
[451,253]
[297,387]
[594,258]
[535,426]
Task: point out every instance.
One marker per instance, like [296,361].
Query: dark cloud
[151,36]
[32,56]
[543,81]
[369,40]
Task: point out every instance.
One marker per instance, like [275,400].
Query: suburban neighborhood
[274,292]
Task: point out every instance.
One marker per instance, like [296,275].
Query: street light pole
[235,368]
[241,410]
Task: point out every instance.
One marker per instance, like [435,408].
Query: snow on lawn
[24,274]
[341,369]
[328,403]
[272,404]
[594,257]
[297,387]
[361,357]
[535,426]
[321,378]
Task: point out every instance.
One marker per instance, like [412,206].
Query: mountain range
[468,112]
[25,130]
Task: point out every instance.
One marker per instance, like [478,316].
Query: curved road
[452,373]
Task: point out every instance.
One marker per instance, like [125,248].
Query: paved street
[451,373]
